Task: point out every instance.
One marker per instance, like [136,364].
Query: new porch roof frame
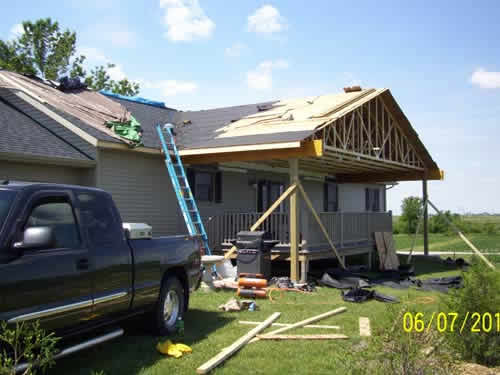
[366,140]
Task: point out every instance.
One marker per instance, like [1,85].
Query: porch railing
[343,227]
[224,228]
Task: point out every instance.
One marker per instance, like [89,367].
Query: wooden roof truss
[367,139]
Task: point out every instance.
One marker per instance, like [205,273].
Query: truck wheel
[170,305]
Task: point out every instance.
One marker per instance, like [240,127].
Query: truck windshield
[6,199]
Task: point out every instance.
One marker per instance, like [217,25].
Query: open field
[443,242]
[209,330]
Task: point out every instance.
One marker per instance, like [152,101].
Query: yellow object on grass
[173,350]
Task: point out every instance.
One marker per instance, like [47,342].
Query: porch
[352,232]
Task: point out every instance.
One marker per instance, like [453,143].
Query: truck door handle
[82,264]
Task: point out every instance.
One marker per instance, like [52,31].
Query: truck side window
[99,219]
[58,214]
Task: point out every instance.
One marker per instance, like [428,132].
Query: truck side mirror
[37,238]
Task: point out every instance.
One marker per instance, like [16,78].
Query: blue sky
[441,60]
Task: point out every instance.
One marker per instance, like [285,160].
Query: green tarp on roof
[130,130]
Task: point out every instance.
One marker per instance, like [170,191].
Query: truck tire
[170,306]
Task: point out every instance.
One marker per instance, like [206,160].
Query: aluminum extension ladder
[181,186]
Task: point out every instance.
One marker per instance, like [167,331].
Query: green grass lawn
[208,330]
[443,242]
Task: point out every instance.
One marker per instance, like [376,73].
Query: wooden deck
[351,232]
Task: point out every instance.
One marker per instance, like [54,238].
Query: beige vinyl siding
[237,196]
[141,189]
[352,196]
[33,172]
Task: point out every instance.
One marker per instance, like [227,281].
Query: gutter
[47,160]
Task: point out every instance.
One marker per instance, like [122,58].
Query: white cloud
[116,73]
[170,87]
[185,20]
[261,78]
[236,49]
[16,31]
[266,20]
[95,56]
[485,79]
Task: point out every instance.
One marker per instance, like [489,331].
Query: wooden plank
[308,148]
[237,345]
[320,223]
[465,239]
[379,240]
[264,216]
[305,322]
[302,337]
[391,259]
[294,221]
[364,327]
[319,326]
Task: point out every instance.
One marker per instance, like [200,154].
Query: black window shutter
[259,196]
[376,192]
[367,199]
[325,197]
[191,180]
[336,197]
[218,187]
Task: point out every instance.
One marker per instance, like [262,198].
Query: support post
[426,217]
[294,221]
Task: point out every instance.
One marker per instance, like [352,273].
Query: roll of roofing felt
[251,293]
[252,283]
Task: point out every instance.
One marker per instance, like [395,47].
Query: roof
[270,122]
[149,116]
[21,134]
[90,107]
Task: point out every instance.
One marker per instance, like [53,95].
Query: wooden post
[294,221]
[426,218]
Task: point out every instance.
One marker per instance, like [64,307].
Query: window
[206,186]
[6,199]
[99,219]
[372,199]
[268,192]
[331,197]
[56,213]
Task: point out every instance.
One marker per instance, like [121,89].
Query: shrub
[480,294]
[392,350]
[26,342]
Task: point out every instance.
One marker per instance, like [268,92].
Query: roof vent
[352,89]
[264,107]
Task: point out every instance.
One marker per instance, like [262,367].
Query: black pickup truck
[66,261]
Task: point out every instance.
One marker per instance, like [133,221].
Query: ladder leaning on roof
[181,185]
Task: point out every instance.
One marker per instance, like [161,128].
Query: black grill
[254,252]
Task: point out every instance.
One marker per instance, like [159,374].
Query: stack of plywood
[386,251]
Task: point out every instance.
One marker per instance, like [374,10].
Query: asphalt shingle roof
[23,135]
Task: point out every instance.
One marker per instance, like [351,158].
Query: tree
[46,51]
[411,209]
[99,79]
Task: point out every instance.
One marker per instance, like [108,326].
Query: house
[343,148]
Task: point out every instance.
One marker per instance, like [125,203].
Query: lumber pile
[254,335]
[386,251]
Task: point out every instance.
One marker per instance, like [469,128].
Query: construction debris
[302,337]
[305,322]
[364,327]
[288,325]
[238,305]
[237,345]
